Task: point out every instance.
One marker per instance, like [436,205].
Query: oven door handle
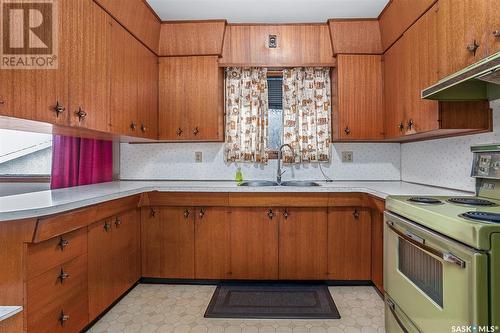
[420,243]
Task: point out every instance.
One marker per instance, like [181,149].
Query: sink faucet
[279,173]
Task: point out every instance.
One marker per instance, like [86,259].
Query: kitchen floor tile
[180,309]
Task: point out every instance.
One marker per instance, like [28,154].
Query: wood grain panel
[151,242]
[283,200]
[398,16]
[147,85]
[298,45]
[212,243]
[192,38]
[345,199]
[191,99]
[360,97]
[493,27]
[355,36]
[89,70]
[13,324]
[467,115]
[55,225]
[377,236]
[349,244]
[254,244]
[137,17]
[54,252]
[188,199]
[303,244]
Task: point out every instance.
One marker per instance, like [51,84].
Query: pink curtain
[77,161]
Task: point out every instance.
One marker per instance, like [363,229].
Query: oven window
[423,270]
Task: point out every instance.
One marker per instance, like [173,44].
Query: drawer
[57,284]
[49,319]
[48,254]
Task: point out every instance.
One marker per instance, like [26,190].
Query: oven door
[437,282]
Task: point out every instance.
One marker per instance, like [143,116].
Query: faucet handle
[282,172]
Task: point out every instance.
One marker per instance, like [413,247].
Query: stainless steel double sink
[298,183]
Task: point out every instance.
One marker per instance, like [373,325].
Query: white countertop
[43,203]
[9,311]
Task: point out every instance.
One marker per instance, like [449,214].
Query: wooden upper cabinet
[147,86]
[349,244]
[350,36]
[89,71]
[360,97]
[137,17]
[212,239]
[192,38]
[297,45]
[35,94]
[493,30]
[303,243]
[191,99]
[398,16]
[463,34]
[254,244]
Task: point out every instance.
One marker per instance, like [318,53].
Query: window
[25,155]
[275,118]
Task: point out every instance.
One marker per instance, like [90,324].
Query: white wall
[19,188]
[446,162]
[175,161]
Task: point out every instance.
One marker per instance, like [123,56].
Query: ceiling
[267,11]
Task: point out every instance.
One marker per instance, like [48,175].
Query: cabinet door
[89,71]
[212,237]
[303,244]
[420,43]
[151,242]
[191,99]
[461,25]
[360,97]
[123,105]
[34,93]
[147,93]
[393,83]
[254,243]
[101,267]
[126,251]
[493,30]
[177,242]
[349,244]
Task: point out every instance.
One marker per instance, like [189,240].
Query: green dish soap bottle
[239,176]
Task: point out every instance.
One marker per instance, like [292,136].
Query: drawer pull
[153,212]
[186,213]
[118,222]
[63,276]
[63,243]
[285,213]
[196,131]
[202,213]
[270,214]
[178,132]
[63,318]
[81,114]
[451,258]
[107,226]
[58,109]
[355,214]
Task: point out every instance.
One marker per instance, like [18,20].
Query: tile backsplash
[176,161]
[446,162]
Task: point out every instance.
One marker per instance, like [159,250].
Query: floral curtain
[306,114]
[246,115]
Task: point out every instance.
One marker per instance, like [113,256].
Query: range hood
[480,81]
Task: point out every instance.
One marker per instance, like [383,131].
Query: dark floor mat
[272,301]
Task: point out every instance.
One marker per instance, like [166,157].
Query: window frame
[272,154]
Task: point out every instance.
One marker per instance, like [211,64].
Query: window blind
[275,92]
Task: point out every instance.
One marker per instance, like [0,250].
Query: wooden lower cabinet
[254,243]
[303,244]
[349,243]
[212,243]
[378,249]
[114,259]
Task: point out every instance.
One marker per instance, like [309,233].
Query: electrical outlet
[198,157]
[347,157]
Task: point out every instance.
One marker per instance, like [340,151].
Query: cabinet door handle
[355,214]
[347,130]
[63,276]
[63,243]
[63,318]
[401,126]
[107,226]
[472,48]
[118,222]
[285,213]
[133,125]
[202,213]
[496,33]
[2,102]
[196,131]
[270,214]
[59,108]
[178,132]
[411,123]
[153,212]
[143,128]
[186,213]
[81,114]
